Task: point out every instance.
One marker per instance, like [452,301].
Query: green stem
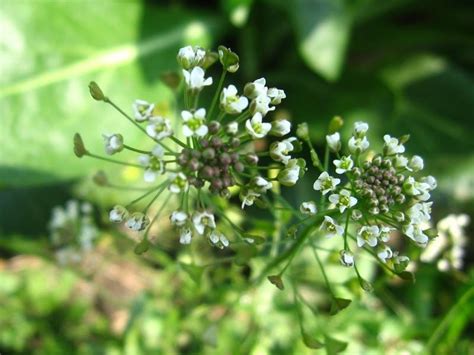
[217,94]
[346,227]
[322,270]
[154,198]
[177,141]
[144,195]
[113,160]
[165,203]
[136,150]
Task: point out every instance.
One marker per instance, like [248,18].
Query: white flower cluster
[448,248]
[212,150]
[381,193]
[72,231]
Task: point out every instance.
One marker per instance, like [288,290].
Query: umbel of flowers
[374,195]
[211,152]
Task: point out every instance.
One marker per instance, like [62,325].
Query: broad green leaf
[323,29]
[62,46]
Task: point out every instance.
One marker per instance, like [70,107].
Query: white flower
[420,212]
[142,110]
[202,221]
[401,161]
[343,200]
[248,197]
[384,253]
[261,104]
[276,95]
[153,164]
[232,103]
[358,145]
[334,141]
[343,165]
[346,258]
[118,214]
[255,89]
[189,57]
[290,175]
[415,232]
[308,208]
[194,123]
[430,181]
[261,185]
[385,232]
[280,128]
[331,227]
[326,183]
[416,163]
[195,79]
[232,128]
[279,151]
[137,221]
[368,234]
[178,218]
[360,128]
[185,236]
[179,183]
[392,146]
[159,128]
[218,239]
[113,143]
[256,128]
[418,189]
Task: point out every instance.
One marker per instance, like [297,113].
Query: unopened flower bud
[209,153]
[334,141]
[232,128]
[335,125]
[228,59]
[225,159]
[214,127]
[193,164]
[216,142]
[118,214]
[346,258]
[356,215]
[280,128]
[374,210]
[239,167]
[235,142]
[416,163]
[302,131]
[251,158]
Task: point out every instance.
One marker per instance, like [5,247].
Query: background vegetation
[403,66]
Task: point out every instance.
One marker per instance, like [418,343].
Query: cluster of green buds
[212,153]
[376,196]
[72,231]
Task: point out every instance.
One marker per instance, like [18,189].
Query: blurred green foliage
[403,66]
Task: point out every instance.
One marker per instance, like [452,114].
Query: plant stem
[136,150]
[217,93]
[113,160]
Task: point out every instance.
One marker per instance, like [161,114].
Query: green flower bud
[335,125]
[228,59]
[302,131]
[277,281]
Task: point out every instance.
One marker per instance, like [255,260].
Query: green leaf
[334,346]
[323,28]
[338,304]
[46,99]
[310,341]
[142,247]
